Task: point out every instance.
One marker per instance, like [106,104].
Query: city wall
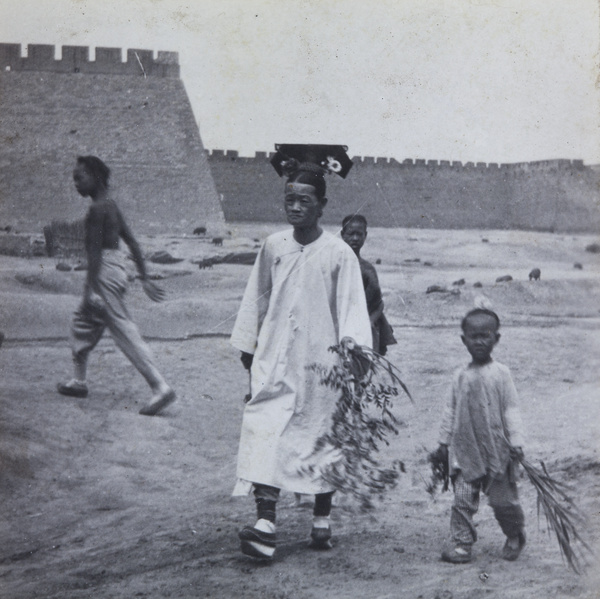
[551,195]
[134,114]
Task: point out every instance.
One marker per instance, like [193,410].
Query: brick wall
[139,121]
[557,195]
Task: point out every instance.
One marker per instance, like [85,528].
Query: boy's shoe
[73,388]
[457,555]
[510,553]
[320,538]
[160,402]
[257,543]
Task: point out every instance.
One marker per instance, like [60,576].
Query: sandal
[457,555]
[512,553]
[159,404]
[73,388]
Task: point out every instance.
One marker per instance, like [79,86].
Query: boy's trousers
[503,498]
[109,311]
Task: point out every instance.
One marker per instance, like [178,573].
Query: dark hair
[96,168]
[477,312]
[353,218]
[308,175]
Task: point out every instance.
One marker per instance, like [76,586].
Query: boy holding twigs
[481,433]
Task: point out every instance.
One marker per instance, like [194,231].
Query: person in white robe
[305,294]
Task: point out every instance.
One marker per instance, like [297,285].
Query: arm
[352,314]
[376,314]
[512,415]
[254,306]
[447,426]
[153,291]
[127,236]
[94,233]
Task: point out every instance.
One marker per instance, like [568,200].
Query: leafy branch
[561,513]
[363,419]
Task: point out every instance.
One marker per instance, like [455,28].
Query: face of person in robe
[303,207]
[480,335]
[355,234]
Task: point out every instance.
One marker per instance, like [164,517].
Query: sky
[469,80]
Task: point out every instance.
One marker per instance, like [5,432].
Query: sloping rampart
[134,115]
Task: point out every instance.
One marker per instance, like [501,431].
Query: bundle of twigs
[440,472]
[367,383]
[562,515]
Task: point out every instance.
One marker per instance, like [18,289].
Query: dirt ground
[98,501]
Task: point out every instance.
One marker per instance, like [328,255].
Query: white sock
[265,525]
[321,522]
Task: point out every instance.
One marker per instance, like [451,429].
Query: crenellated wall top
[75,59]
[420,163]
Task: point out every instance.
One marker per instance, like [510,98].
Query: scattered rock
[162,257]
[484,240]
[207,263]
[240,258]
[578,266]
[535,274]
[412,260]
[594,248]
[200,231]
[504,279]
[63,266]
[426,263]
[436,289]
[459,282]
[218,241]
[378,261]
[478,284]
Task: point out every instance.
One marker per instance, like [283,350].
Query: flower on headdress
[333,165]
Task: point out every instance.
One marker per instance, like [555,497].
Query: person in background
[103,302]
[354,233]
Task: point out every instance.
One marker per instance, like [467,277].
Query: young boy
[481,434]
[354,233]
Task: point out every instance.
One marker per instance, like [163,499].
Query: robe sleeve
[255,303]
[352,313]
[512,413]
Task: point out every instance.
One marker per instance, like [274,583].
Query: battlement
[75,59]
[421,163]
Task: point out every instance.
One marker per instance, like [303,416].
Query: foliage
[562,515]
[440,473]
[367,384]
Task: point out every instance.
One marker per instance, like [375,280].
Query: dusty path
[100,502]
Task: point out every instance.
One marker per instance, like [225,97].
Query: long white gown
[298,302]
